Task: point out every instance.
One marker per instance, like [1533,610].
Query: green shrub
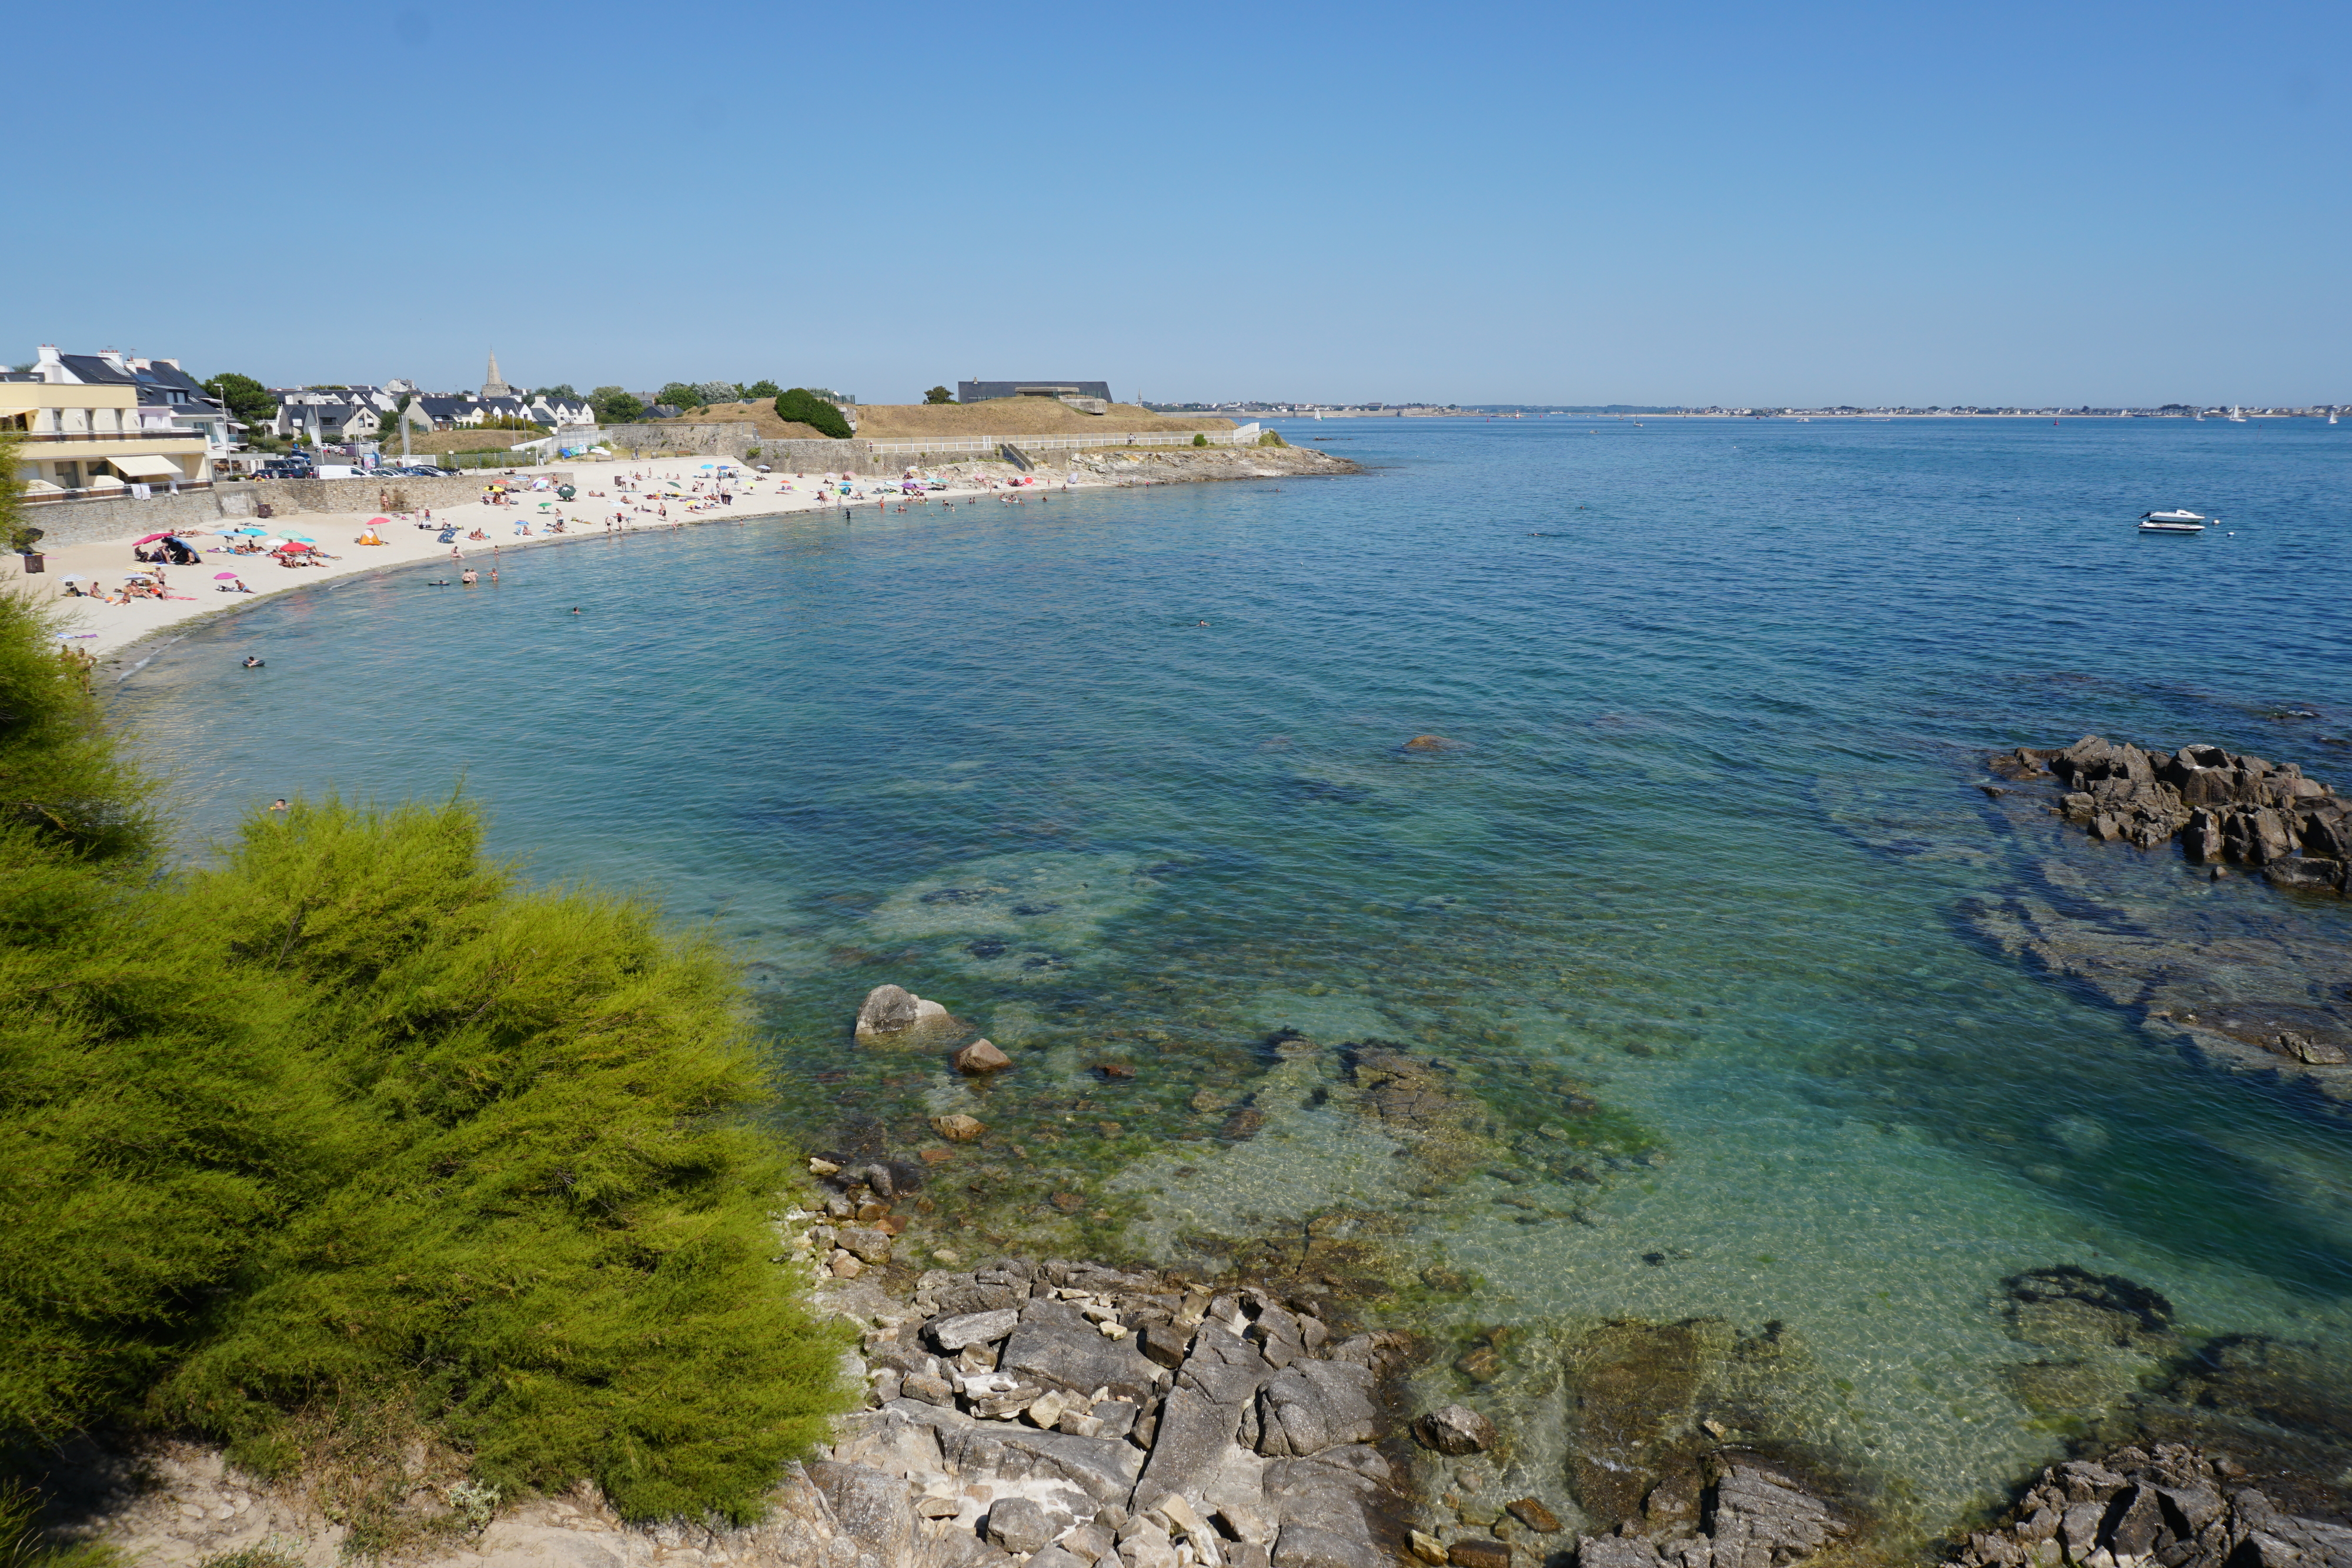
[806,407]
[938,396]
[352,1125]
[1199,440]
[1272,438]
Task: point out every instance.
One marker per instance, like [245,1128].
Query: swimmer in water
[251,662]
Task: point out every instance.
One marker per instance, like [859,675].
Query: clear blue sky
[1563,203]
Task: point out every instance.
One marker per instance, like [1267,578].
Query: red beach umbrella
[223,577]
[151,539]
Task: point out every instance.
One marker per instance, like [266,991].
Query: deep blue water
[1716,693]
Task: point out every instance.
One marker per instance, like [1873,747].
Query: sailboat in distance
[2236,415]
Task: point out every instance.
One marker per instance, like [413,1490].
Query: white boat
[2237,416]
[2177,521]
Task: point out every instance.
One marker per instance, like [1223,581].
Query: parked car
[427,471]
[287,470]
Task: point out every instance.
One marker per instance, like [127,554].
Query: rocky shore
[1194,464]
[2174,1507]
[2250,982]
[2224,807]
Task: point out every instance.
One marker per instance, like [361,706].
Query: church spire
[496,386]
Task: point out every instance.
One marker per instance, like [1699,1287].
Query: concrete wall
[64,523]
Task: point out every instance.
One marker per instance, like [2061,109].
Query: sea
[1525,888]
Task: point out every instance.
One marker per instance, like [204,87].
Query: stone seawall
[288,496]
[64,523]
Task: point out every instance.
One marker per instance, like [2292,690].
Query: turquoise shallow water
[1698,851]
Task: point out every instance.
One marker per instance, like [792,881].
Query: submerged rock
[980,1056]
[2068,1307]
[1456,1430]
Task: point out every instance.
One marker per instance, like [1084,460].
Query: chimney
[52,367]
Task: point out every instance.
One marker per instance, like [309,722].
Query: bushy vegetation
[806,407]
[1198,439]
[938,396]
[352,1130]
[16,531]
[246,399]
[615,406]
[1271,438]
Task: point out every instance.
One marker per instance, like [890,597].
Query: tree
[350,1136]
[708,392]
[246,398]
[939,394]
[806,407]
[16,533]
[615,406]
[560,389]
[681,395]
[761,390]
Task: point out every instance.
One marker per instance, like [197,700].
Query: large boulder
[1019,1525]
[1312,1405]
[873,1509]
[1056,1347]
[894,1010]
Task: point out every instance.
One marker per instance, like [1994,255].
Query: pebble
[957,1128]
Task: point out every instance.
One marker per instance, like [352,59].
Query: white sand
[104,627]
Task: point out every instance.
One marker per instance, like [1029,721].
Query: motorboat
[2177,521]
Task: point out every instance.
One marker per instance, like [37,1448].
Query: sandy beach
[600,502]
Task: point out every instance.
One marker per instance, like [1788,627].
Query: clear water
[1716,691]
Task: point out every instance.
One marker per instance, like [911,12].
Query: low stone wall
[64,523]
[288,497]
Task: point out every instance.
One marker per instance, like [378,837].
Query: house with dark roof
[95,423]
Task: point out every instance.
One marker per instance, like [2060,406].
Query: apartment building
[99,424]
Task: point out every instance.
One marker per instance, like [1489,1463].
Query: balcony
[31,436]
[109,493]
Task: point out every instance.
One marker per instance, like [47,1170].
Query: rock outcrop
[2172,1506]
[1760,1517]
[2221,806]
[1121,1420]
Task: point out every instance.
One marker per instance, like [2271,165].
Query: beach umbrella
[70,577]
[151,539]
[372,522]
[222,577]
[308,540]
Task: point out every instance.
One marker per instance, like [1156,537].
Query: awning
[149,467]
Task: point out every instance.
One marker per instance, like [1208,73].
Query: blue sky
[1787,203]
